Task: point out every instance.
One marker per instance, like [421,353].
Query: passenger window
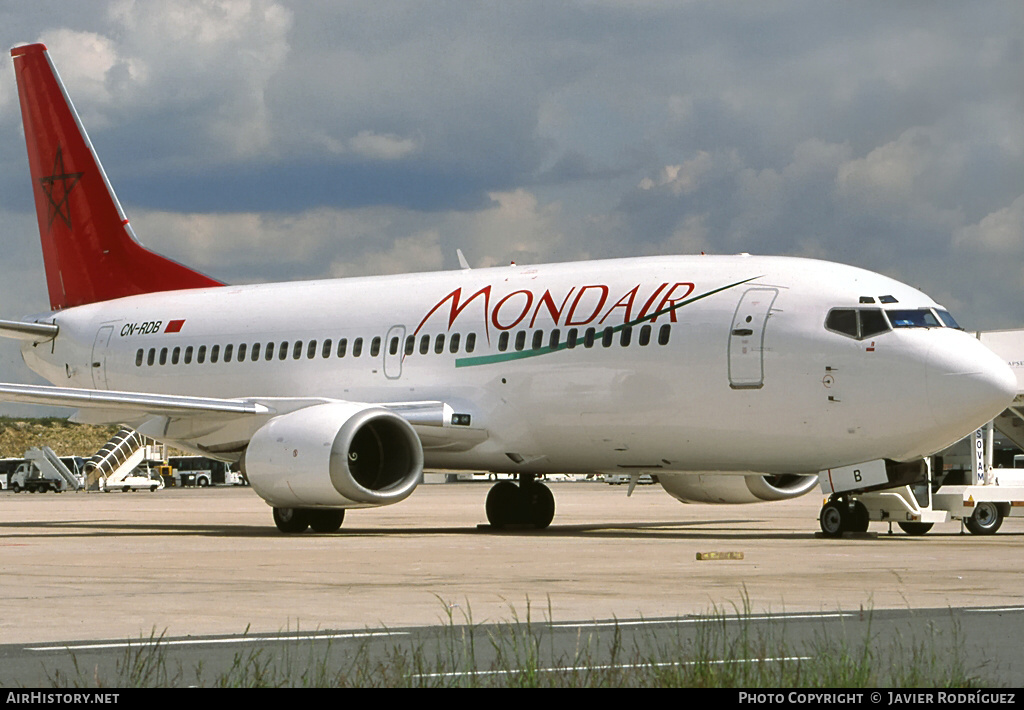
[570,338]
[282,350]
[297,350]
[503,341]
[188,355]
[393,346]
[270,352]
[375,347]
[228,352]
[606,337]
[520,340]
[175,355]
[410,345]
[453,343]
[163,356]
[311,350]
[538,339]
[424,344]
[255,352]
[201,355]
[241,352]
[342,346]
[151,357]
[664,333]
[357,347]
[645,335]
[556,335]
[471,342]
[138,357]
[625,336]
[326,352]
[439,344]
[215,353]
[588,338]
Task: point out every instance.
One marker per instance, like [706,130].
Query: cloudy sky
[262,140]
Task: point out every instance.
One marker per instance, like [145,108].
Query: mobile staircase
[117,459]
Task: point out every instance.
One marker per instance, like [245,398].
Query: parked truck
[42,471]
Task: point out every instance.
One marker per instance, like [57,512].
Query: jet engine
[341,455]
[715,487]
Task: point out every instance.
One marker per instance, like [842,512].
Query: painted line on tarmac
[213,641]
[703,619]
[624,666]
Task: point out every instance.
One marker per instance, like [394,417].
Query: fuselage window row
[310,349]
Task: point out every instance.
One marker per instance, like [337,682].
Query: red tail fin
[89,250]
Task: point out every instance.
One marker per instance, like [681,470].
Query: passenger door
[746,338]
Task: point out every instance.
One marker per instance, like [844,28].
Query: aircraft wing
[110,407]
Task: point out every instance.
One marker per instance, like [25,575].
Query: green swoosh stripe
[547,349]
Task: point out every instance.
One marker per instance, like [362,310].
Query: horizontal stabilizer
[20,330]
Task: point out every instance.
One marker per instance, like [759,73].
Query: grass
[725,650]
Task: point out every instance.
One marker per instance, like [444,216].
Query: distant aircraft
[732,379]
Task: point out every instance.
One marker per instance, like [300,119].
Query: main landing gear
[296,520]
[529,504]
[842,514]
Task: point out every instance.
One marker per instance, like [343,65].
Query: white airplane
[733,379]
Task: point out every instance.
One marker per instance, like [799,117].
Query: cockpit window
[843,320]
[921,318]
[947,320]
[857,323]
[872,322]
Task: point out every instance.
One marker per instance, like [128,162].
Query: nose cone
[967,382]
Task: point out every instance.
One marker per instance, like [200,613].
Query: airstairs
[118,458]
[50,466]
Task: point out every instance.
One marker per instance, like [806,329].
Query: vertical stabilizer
[89,249]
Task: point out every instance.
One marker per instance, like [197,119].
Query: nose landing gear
[841,515]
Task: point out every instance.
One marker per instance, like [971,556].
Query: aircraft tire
[986,519]
[833,519]
[915,528]
[291,520]
[504,504]
[540,505]
[327,520]
[858,518]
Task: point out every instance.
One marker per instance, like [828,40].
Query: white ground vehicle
[141,479]
[43,471]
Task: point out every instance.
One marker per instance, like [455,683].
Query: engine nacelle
[716,487]
[341,455]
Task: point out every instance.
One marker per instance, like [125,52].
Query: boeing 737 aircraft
[733,379]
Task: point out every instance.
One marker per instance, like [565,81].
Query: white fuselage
[749,379]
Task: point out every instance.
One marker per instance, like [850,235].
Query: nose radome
[968,381]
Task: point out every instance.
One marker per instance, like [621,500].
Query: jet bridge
[1009,345]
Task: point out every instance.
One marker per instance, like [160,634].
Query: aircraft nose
[967,381]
